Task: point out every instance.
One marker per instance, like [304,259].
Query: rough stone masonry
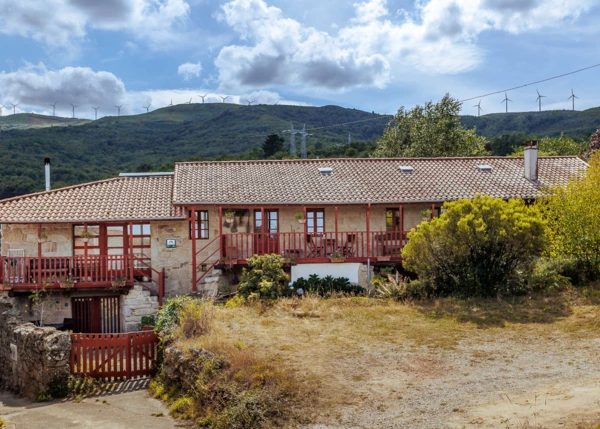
[34,360]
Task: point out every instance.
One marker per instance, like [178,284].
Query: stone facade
[34,360]
[136,304]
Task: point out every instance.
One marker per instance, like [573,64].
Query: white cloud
[189,70]
[439,36]
[60,23]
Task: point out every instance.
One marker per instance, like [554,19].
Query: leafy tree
[476,247]
[594,145]
[507,143]
[429,131]
[272,144]
[555,146]
[265,279]
[573,214]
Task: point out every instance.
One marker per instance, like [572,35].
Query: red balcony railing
[308,247]
[64,271]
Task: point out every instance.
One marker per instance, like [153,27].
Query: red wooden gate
[97,314]
[114,356]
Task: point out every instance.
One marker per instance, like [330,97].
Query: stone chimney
[531,160]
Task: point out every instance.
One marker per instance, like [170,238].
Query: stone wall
[25,236]
[34,360]
[136,304]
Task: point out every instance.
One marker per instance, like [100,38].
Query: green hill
[23,121]
[111,145]
[576,124]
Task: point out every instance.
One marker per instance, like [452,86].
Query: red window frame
[312,217]
[201,225]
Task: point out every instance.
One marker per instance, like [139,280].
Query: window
[201,222]
[140,239]
[315,220]
[392,220]
[272,218]
[94,244]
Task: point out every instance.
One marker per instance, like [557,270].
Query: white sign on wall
[348,270]
[13,351]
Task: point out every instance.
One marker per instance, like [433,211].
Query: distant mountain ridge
[83,150]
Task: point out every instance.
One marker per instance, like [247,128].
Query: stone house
[109,251]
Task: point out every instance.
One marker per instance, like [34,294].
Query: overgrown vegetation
[225,385]
[476,247]
[555,146]
[573,214]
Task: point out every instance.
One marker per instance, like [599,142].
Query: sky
[373,55]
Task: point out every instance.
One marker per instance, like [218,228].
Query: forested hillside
[83,150]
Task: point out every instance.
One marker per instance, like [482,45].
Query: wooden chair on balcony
[314,249]
[348,247]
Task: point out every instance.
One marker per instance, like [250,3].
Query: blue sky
[374,55]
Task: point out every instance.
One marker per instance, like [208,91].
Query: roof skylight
[326,171]
[406,169]
[484,167]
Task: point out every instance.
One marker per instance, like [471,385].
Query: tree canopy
[429,131]
[555,146]
[272,144]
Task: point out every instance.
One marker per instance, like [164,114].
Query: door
[266,239]
[96,315]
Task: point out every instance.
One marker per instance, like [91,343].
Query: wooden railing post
[39,255]
[369,230]
[193,236]
[131,260]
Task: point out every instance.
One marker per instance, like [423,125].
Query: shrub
[476,246]
[195,318]
[573,215]
[168,316]
[266,277]
[327,285]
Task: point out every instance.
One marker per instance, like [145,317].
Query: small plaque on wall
[13,352]
[171,243]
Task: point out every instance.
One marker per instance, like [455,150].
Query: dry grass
[329,354]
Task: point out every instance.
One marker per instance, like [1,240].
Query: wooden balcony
[28,272]
[354,246]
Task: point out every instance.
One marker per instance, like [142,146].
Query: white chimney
[47,165]
[531,160]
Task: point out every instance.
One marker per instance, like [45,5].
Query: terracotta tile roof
[363,180]
[121,198]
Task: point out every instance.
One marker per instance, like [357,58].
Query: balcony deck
[65,272]
[353,246]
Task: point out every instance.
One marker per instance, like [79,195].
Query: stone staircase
[137,303]
[209,286]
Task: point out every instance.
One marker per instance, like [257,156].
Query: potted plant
[426,214]
[300,217]
[337,257]
[66,283]
[229,216]
[85,236]
[384,258]
[229,261]
[147,323]
[43,237]
[118,282]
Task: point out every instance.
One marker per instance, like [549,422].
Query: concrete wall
[33,359]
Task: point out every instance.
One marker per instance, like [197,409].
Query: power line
[531,83]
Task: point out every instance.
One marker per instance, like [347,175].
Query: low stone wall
[34,360]
[136,304]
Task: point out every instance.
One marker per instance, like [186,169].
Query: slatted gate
[98,314]
[112,357]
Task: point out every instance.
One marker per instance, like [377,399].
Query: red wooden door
[101,315]
[266,240]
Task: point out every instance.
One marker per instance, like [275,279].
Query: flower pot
[228,220]
[66,285]
[42,240]
[383,258]
[230,261]
[85,239]
[148,328]
[301,221]
[337,260]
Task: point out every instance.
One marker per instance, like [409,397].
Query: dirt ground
[120,406]
[525,363]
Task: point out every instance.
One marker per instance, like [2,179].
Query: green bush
[168,316]
[265,279]
[327,285]
[476,247]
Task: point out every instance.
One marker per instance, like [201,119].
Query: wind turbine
[506,100]
[190,102]
[249,101]
[539,99]
[118,109]
[224,98]
[479,109]
[573,96]
[202,97]
[73,109]
[54,108]
[96,110]
[14,108]
[147,107]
